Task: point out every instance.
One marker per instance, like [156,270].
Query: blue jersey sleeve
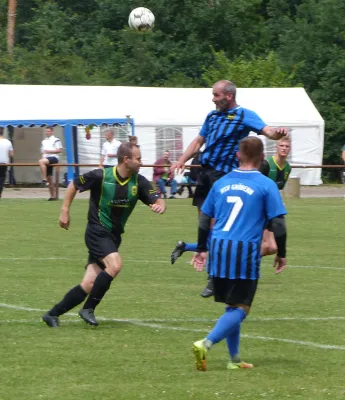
[253,121]
[208,206]
[204,129]
[274,205]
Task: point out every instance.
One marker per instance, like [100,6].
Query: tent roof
[45,104]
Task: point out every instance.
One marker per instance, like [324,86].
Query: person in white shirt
[6,151]
[51,147]
[109,150]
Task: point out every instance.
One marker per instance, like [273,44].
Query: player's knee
[87,285]
[113,270]
[245,308]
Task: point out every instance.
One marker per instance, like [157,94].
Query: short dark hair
[251,149]
[50,127]
[125,150]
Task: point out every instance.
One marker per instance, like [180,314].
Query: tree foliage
[255,43]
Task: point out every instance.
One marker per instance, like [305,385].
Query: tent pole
[75,141]
[11,171]
[69,151]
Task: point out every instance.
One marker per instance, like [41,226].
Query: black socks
[72,298]
[99,289]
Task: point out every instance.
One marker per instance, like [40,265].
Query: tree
[252,72]
[11,23]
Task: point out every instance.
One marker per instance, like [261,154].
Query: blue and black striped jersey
[242,202]
[223,131]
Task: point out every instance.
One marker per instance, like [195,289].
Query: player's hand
[279,264]
[281,132]
[64,220]
[157,208]
[178,167]
[199,261]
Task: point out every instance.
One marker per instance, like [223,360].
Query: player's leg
[268,243]
[181,246]
[228,325]
[73,297]
[103,250]
[3,170]
[113,265]
[43,162]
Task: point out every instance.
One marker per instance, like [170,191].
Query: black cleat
[208,291]
[87,314]
[178,251]
[51,320]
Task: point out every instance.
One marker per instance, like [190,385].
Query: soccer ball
[141,19]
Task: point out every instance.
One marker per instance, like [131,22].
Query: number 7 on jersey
[238,204]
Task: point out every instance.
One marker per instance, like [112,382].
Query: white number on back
[238,204]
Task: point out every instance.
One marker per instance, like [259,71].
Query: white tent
[164,118]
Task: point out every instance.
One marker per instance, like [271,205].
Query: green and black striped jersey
[271,169]
[113,198]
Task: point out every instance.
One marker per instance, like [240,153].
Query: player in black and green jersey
[114,194]
[278,169]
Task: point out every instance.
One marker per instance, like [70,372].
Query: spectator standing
[6,151]
[109,150]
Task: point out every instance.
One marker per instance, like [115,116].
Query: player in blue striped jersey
[242,203]
[221,133]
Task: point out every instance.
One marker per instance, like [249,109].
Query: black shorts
[234,291]
[100,242]
[52,160]
[206,178]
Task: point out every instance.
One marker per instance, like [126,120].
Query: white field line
[165,261]
[206,320]
[179,329]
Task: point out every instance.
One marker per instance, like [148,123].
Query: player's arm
[81,183]
[189,153]
[149,196]
[277,225]
[274,133]
[203,232]
[64,219]
[200,256]
[101,161]
[265,168]
[159,206]
[343,155]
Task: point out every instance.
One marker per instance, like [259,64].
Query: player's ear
[238,155]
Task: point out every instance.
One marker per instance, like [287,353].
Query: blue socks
[190,246]
[193,246]
[233,342]
[227,325]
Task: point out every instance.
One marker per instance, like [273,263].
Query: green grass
[153,312]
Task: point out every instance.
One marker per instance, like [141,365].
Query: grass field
[153,312]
